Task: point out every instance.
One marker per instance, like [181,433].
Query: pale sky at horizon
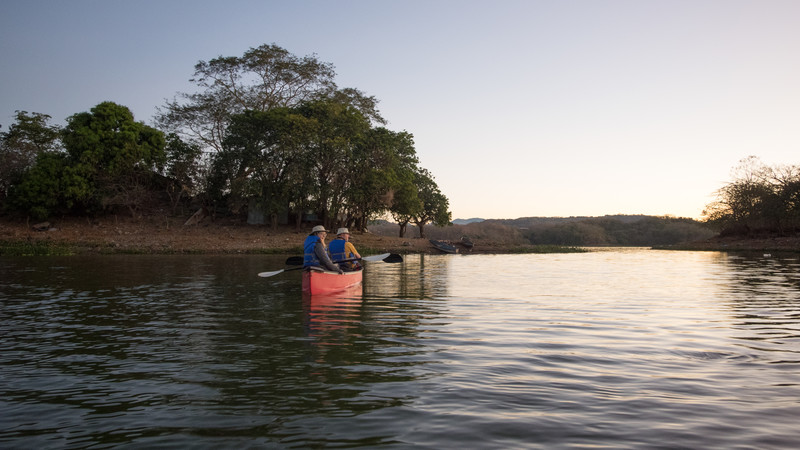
[518,108]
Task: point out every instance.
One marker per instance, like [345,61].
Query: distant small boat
[324,282]
[444,246]
[466,242]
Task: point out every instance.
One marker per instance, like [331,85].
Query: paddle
[291,261]
[385,257]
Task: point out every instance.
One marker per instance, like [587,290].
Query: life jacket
[309,257]
[337,252]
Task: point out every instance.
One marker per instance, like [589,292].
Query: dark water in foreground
[618,349]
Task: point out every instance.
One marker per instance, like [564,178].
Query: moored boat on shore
[444,246]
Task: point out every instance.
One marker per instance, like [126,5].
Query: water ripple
[619,348]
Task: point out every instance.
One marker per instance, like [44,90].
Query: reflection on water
[622,348]
[332,317]
[420,276]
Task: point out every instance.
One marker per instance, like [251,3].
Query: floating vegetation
[35,248]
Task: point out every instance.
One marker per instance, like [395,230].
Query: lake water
[620,348]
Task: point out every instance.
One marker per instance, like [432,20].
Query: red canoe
[324,282]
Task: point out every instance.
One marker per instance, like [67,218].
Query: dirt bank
[169,235]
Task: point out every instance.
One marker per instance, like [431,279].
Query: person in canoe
[341,249]
[314,252]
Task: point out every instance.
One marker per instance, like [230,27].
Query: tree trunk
[299,221]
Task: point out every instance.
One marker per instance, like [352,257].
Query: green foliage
[108,139]
[26,139]
[267,129]
[263,78]
[41,192]
[112,158]
[321,155]
[283,136]
[335,133]
[109,159]
[385,162]
[406,202]
[434,205]
[260,154]
[182,168]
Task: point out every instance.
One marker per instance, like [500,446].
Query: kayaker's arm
[323,258]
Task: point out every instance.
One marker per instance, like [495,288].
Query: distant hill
[618,230]
[530,222]
[612,230]
[466,221]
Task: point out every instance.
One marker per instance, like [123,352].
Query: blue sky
[518,108]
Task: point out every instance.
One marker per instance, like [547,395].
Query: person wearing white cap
[341,249]
[314,252]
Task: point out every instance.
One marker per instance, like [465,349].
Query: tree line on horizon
[760,200]
[266,130]
[613,230]
[622,231]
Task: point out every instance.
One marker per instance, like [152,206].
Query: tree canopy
[266,131]
[759,199]
[263,78]
[106,160]
[322,155]
[26,139]
[282,137]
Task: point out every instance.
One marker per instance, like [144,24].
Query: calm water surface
[616,348]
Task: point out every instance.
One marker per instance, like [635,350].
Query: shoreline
[168,235]
[784,244]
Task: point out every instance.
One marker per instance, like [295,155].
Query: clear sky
[518,108]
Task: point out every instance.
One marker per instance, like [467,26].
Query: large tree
[27,138]
[260,155]
[40,191]
[406,204]
[263,78]
[111,158]
[322,155]
[337,130]
[435,206]
[760,198]
[183,169]
[383,163]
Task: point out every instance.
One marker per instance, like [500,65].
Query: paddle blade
[294,261]
[385,257]
[269,274]
[393,258]
[380,257]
